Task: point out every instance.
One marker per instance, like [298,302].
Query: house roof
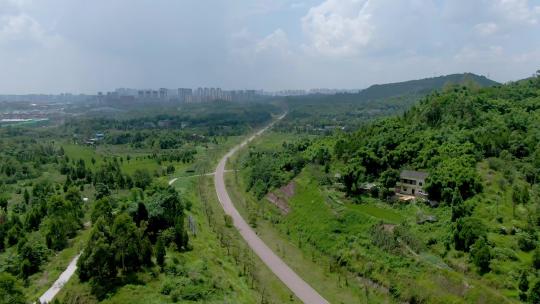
[416,175]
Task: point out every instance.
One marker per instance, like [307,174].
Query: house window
[420,183]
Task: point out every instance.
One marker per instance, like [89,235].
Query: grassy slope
[311,266]
[323,220]
[337,287]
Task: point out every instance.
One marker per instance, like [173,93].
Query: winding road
[292,280]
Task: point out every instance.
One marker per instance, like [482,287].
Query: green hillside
[318,114]
[480,147]
[423,86]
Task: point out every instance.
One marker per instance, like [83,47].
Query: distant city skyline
[53,46]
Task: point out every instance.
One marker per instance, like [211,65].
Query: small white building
[412,183]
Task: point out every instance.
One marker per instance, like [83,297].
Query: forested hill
[422,86]
[447,134]
[352,110]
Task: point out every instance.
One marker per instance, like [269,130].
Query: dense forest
[448,133]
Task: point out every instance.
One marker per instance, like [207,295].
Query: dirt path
[176,178]
[292,280]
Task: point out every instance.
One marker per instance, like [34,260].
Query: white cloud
[517,11]
[476,54]
[277,41]
[22,31]
[58,44]
[339,27]
[486,29]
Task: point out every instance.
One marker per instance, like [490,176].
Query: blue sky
[86,46]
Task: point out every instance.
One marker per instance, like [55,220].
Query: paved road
[49,295]
[292,280]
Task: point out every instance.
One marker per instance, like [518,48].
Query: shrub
[167,287]
[10,290]
[534,293]
[526,241]
[536,259]
[384,238]
[228,220]
[481,255]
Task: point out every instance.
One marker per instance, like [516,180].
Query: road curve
[292,280]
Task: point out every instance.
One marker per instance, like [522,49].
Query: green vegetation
[479,146]
[63,193]
[326,114]
[320,190]
[10,290]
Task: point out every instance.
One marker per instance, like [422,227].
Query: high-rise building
[163,93]
[185,94]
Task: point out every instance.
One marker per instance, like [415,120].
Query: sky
[81,46]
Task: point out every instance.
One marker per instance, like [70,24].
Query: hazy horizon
[55,46]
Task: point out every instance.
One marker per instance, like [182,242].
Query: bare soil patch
[280,197]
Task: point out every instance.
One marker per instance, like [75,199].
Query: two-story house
[411,183]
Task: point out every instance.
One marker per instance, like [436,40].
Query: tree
[11,291]
[520,193]
[56,236]
[456,197]
[467,231]
[452,173]
[74,196]
[127,243]
[3,202]
[102,208]
[3,228]
[459,209]
[353,175]
[141,214]
[536,259]
[160,252]
[481,255]
[32,253]
[33,218]
[26,196]
[102,191]
[523,286]
[142,178]
[163,209]
[534,293]
[81,169]
[97,260]
[180,234]
[389,178]
[527,241]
